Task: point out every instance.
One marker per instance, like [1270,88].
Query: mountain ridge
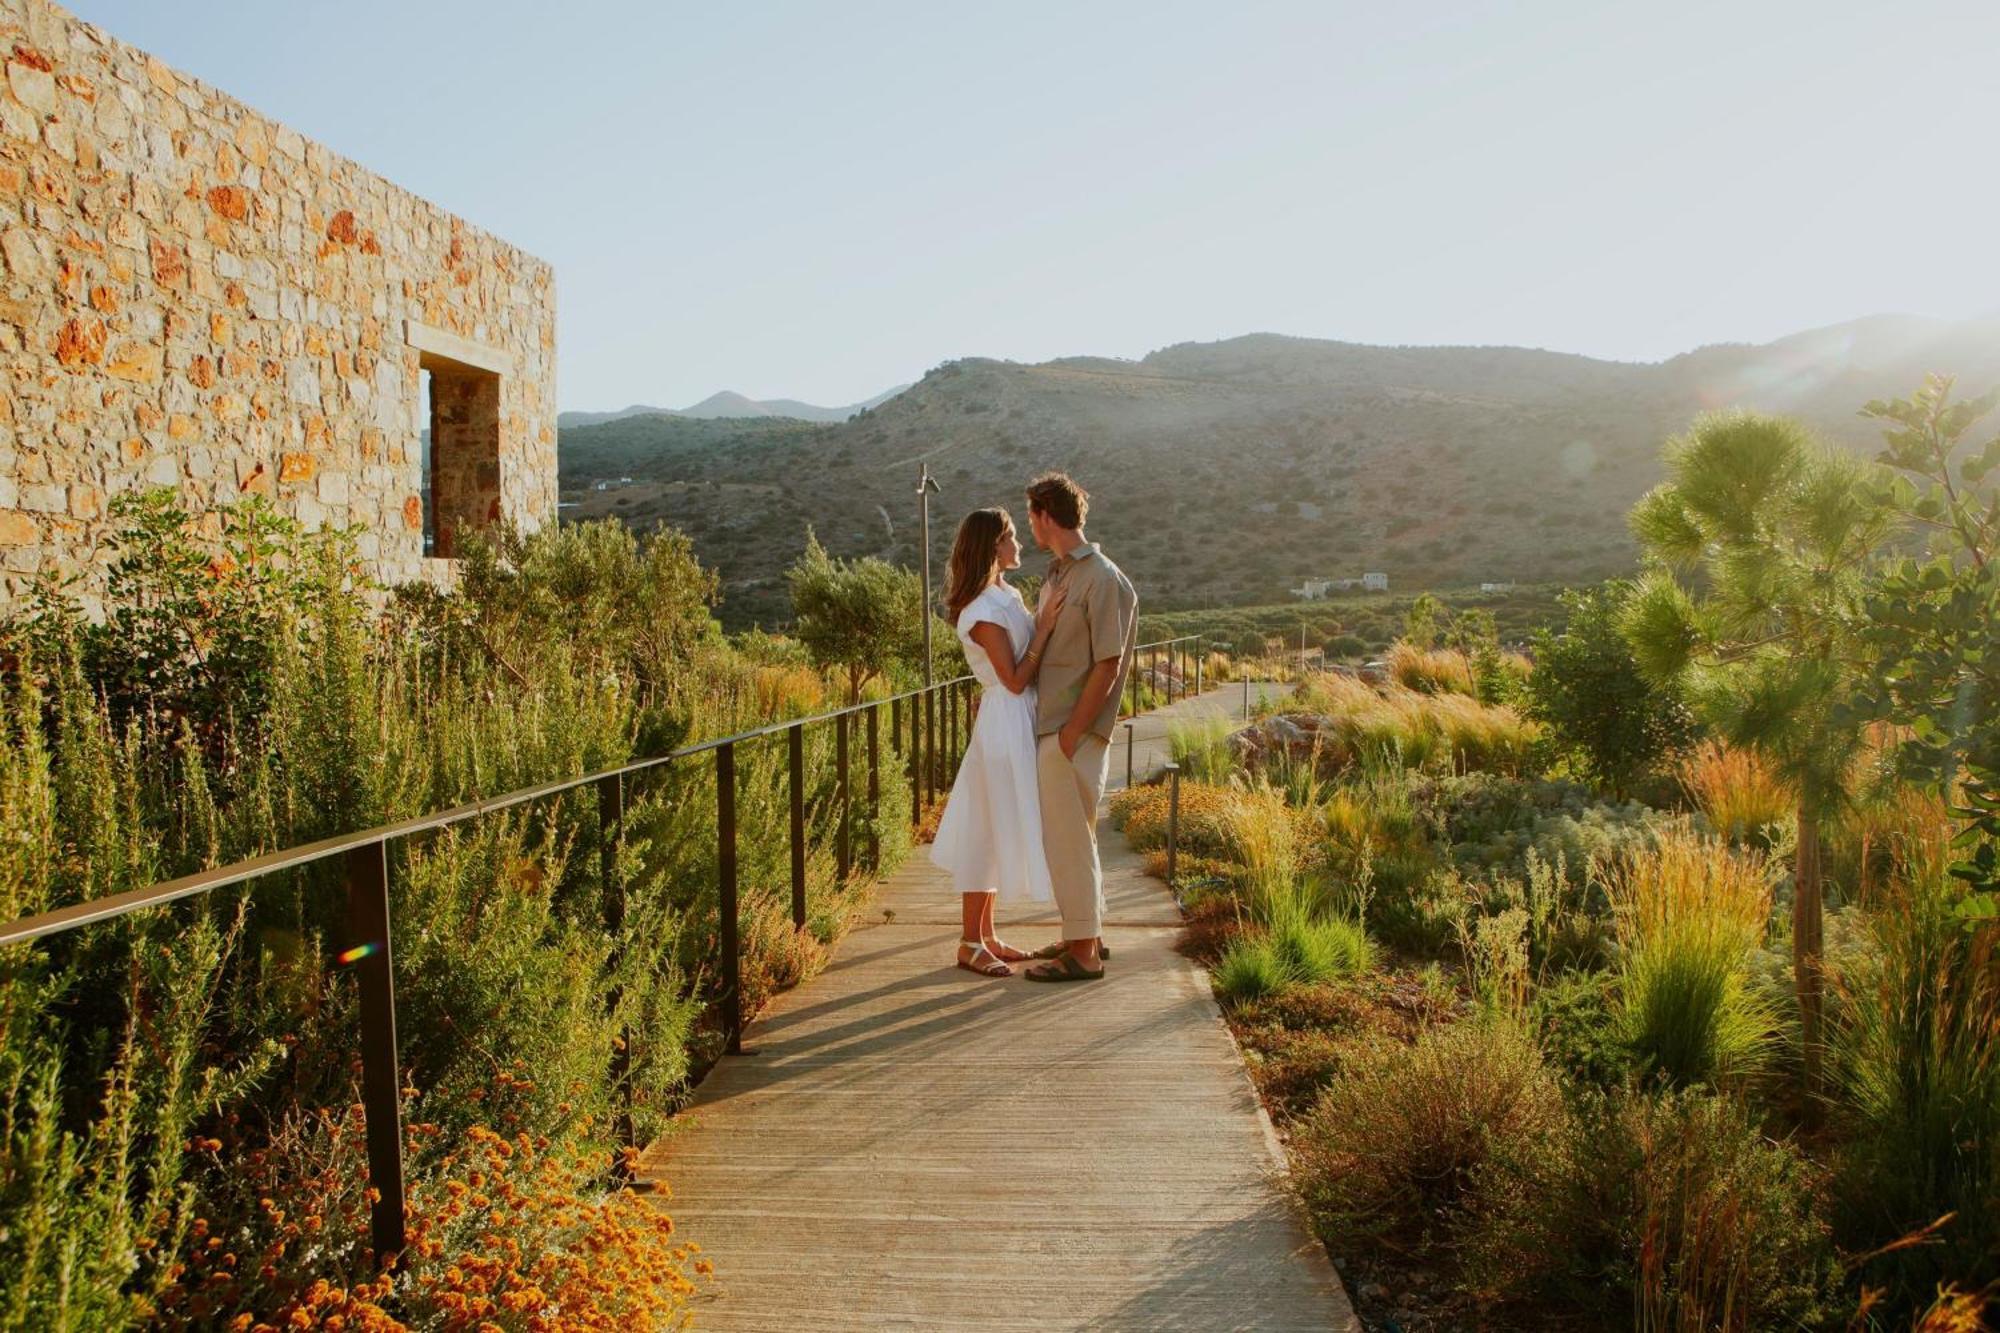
[728,403]
[1227,472]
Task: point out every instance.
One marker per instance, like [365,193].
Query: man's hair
[1059,499]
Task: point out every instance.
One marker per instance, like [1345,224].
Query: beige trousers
[1069,790]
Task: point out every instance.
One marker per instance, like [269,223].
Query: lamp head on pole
[926,483]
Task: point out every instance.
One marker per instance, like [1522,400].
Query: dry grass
[1687,878]
[1892,833]
[1420,730]
[1430,670]
[1735,790]
[1265,840]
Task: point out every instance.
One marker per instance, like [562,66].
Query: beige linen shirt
[1099,621]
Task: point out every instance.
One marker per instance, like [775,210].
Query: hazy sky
[821,200]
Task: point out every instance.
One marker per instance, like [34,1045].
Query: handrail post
[1173,827]
[611,840]
[930,745]
[381,1096]
[795,746]
[910,762]
[1197,664]
[725,863]
[896,726]
[961,735]
[951,730]
[875,789]
[1128,752]
[843,852]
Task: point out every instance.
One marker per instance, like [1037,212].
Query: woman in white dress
[990,837]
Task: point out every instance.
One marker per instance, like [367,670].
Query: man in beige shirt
[1083,670]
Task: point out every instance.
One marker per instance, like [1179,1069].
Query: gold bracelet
[1034,654]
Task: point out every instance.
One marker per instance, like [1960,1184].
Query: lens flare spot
[347,957]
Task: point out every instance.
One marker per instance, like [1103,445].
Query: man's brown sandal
[1064,968]
[992,967]
[1061,947]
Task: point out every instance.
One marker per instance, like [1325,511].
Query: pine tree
[1780,531]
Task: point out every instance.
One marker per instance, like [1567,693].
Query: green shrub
[1672,1211]
[1401,1138]
[1601,714]
[862,617]
[1418,907]
[192,627]
[614,601]
[1495,823]
[1576,1017]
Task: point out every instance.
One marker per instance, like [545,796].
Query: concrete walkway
[914,1147]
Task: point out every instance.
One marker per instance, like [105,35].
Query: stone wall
[194,296]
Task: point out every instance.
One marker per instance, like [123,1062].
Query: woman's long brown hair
[974,554]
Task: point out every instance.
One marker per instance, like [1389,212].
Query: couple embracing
[1022,816]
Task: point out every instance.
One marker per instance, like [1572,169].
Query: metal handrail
[370,953]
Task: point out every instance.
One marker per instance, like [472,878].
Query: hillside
[1225,473]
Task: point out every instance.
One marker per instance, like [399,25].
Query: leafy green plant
[614,602]
[1575,1014]
[1933,624]
[193,624]
[1599,712]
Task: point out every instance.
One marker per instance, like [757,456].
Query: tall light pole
[926,487]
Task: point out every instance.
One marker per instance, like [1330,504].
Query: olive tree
[861,617]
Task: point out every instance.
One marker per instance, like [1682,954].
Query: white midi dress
[990,837]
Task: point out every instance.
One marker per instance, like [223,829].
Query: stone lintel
[436,342]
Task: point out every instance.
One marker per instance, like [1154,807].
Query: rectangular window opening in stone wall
[462,479]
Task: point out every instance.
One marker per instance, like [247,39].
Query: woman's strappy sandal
[992,967]
[1007,953]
